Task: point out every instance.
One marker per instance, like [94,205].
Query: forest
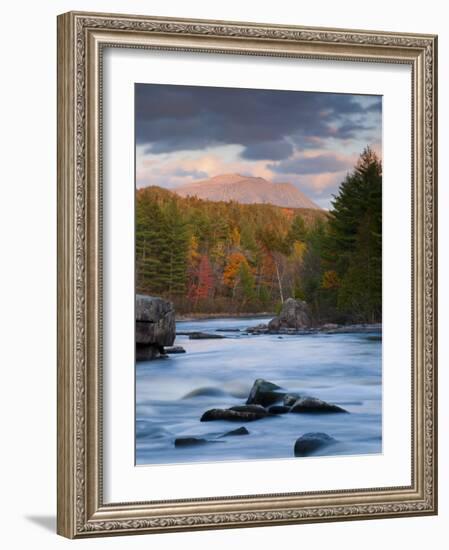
[231,258]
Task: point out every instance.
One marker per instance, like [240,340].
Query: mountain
[247,190]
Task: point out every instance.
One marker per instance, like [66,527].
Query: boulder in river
[264,393]
[315,405]
[148,429]
[155,326]
[189,441]
[233,415]
[205,336]
[238,431]
[174,349]
[294,315]
[205,391]
[311,442]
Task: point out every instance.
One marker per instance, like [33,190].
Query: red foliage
[202,281]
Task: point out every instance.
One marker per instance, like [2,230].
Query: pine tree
[149,243]
[354,246]
[297,231]
[174,256]
[246,281]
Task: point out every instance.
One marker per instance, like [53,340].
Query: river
[345,369]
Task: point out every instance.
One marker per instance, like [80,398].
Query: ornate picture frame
[82,39]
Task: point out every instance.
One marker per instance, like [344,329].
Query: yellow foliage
[193,253]
[235,237]
[299,249]
[330,280]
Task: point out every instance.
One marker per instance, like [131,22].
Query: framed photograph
[246,274]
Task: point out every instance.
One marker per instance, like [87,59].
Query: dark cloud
[376,106]
[312,165]
[267,123]
[350,129]
[196,174]
[271,150]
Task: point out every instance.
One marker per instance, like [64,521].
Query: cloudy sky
[311,139]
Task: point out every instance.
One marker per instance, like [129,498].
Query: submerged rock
[239,431]
[189,441]
[355,329]
[311,442]
[234,415]
[315,405]
[155,326]
[145,428]
[205,336]
[205,392]
[175,349]
[294,315]
[264,393]
[261,328]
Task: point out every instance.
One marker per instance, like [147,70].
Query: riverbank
[206,316]
[327,328]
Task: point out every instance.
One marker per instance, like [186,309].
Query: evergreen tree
[312,272]
[297,231]
[354,246]
[175,251]
[150,242]
[247,281]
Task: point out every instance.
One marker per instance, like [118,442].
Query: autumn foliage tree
[232,269]
[202,281]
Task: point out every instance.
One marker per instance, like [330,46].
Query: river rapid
[344,369]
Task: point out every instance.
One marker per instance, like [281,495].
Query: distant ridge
[247,190]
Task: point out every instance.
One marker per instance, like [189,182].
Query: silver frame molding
[81,39]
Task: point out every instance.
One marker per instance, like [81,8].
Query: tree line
[227,257]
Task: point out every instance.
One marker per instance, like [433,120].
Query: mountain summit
[247,190]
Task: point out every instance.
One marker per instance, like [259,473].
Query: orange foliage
[232,268]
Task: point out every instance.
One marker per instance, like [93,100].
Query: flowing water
[345,369]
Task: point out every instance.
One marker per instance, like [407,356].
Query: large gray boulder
[294,315]
[155,326]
